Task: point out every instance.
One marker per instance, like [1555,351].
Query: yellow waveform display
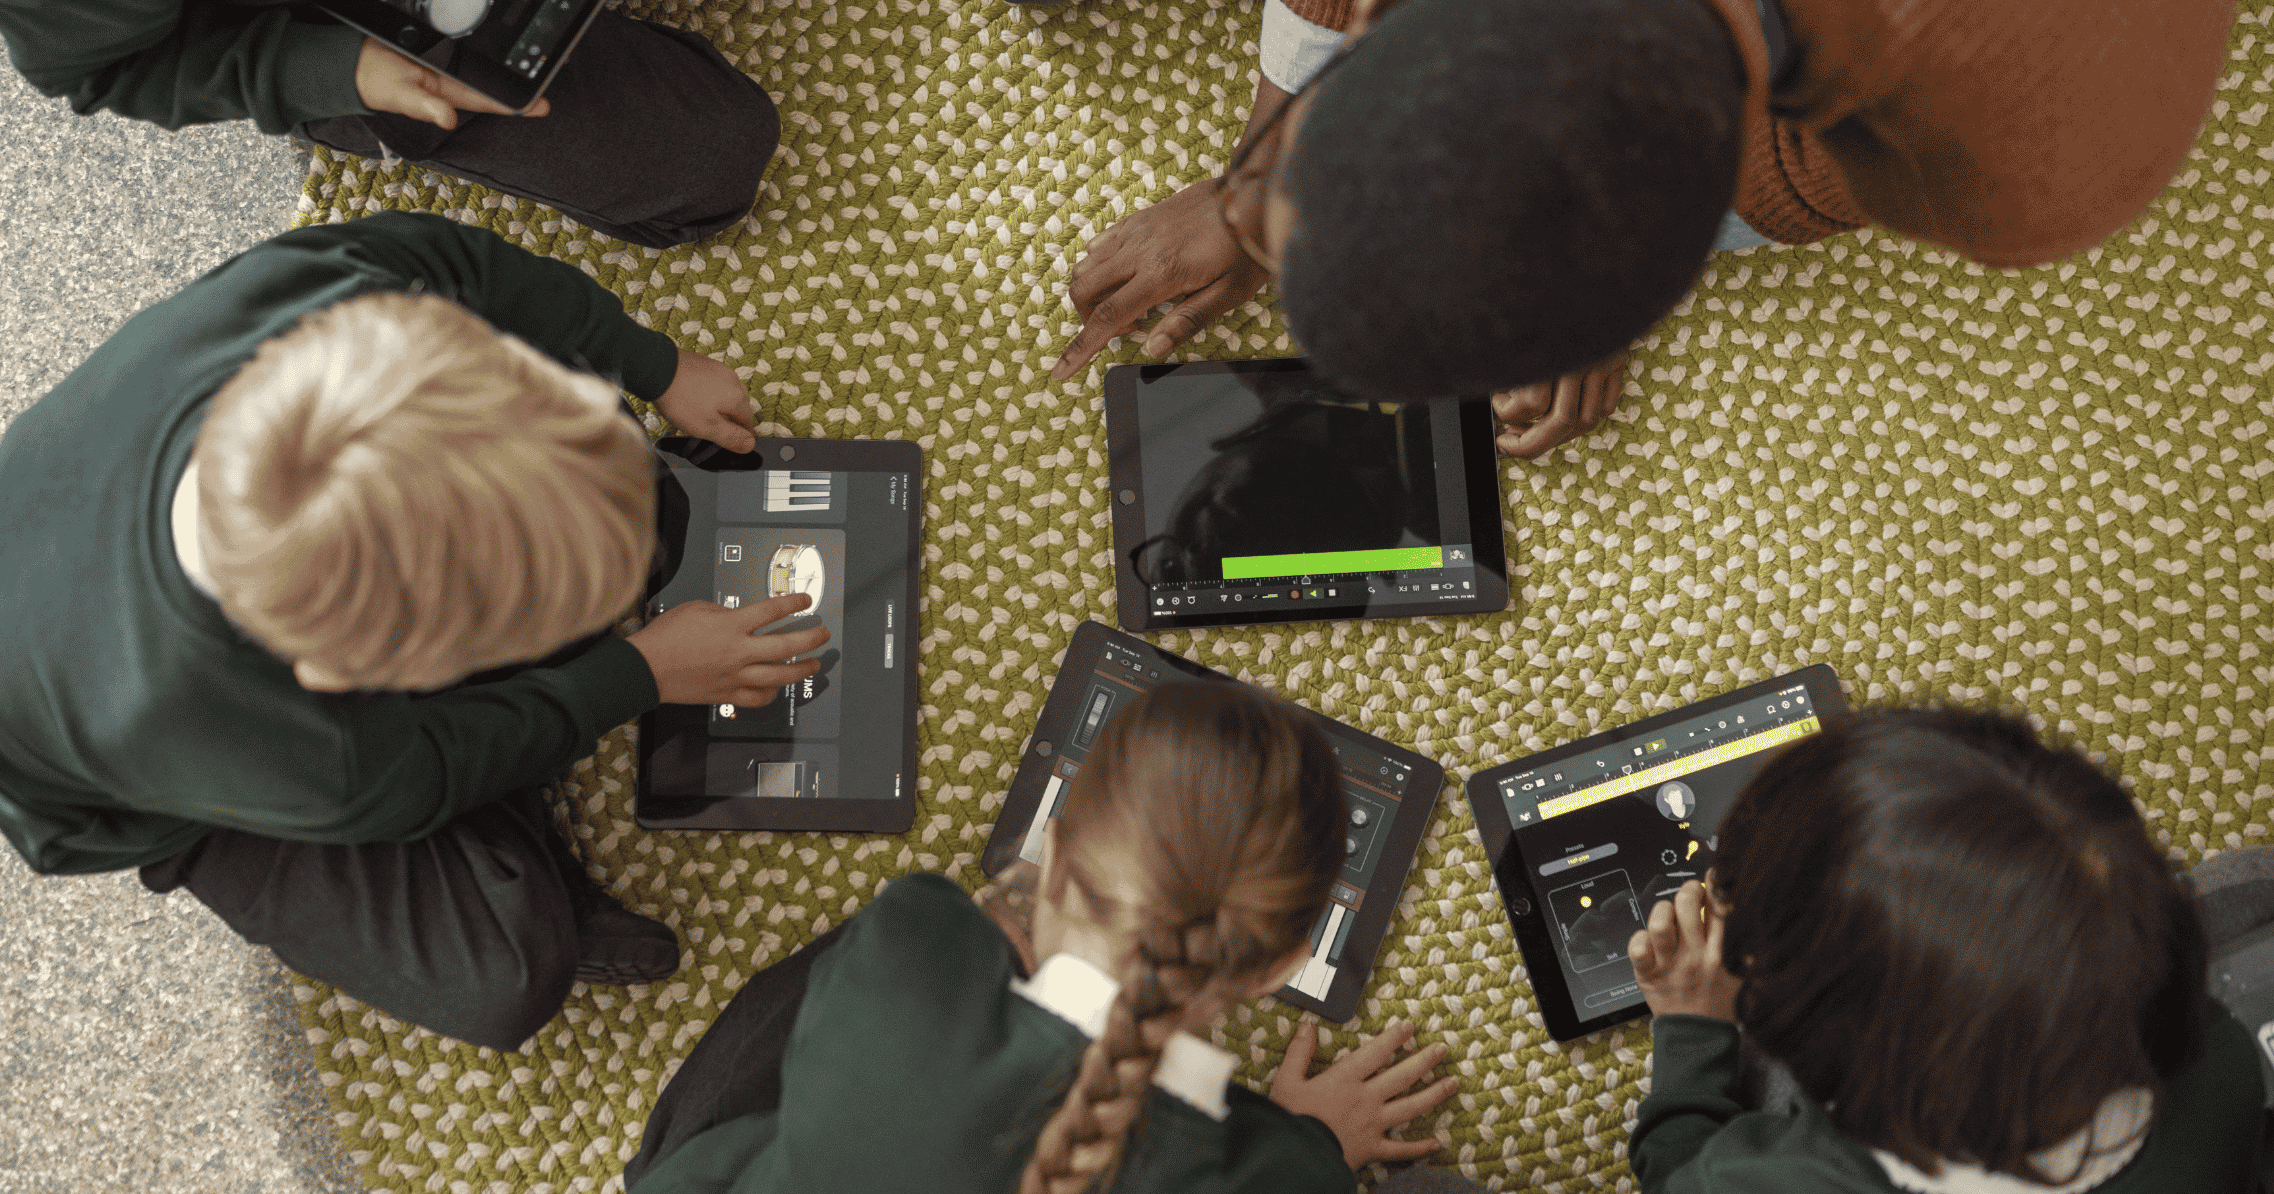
[1619,785]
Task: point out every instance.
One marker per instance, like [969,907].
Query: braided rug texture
[2047,490]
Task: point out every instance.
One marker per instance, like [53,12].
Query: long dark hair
[1960,940]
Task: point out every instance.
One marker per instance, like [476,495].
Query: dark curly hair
[1490,193]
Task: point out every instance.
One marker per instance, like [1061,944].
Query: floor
[146,1047]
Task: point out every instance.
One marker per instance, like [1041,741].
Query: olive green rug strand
[2046,490]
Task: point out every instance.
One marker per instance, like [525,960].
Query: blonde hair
[1219,808]
[401,495]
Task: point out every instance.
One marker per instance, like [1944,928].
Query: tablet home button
[1128,497]
[1043,748]
[1521,907]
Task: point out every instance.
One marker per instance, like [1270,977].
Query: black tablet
[1586,838]
[1253,491]
[509,50]
[1392,792]
[836,520]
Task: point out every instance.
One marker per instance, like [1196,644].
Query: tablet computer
[836,520]
[1586,838]
[509,50]
[1392,793]
[1253,491]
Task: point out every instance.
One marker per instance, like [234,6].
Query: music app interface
[840,538]
[1609,833]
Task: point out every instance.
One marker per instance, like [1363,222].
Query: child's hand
[389,82]
[1359,1103]
[703,653]
[1678,958]
[707,399]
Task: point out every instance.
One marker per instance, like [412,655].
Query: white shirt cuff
[1075,990]
[1293,49]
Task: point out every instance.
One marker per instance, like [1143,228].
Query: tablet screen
[1605,834]
[843,536]
[1266,492]
[523,36]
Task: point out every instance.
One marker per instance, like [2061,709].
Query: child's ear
[315,678]
[1283,973]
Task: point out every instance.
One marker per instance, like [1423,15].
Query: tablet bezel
[1425,787]
[1520,900]
[885,815]
[406,35]
[1125,455]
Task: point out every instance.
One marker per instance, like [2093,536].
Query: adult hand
[1536,418]
[1677,959]
[389,82]
[1175,248]
[1362,1095]
[703,653]
[706,398]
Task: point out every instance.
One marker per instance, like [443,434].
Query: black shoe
[616,946]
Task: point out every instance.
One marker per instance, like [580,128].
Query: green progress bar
[1388,559]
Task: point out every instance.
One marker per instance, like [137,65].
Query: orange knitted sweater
[2015,131]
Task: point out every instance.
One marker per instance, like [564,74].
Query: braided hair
[1217,809]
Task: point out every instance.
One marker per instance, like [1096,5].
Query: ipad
[1586,838]
[509,50]
[1253,491]
[836,520]
[1392,793]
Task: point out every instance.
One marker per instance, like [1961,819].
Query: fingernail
[1158,346]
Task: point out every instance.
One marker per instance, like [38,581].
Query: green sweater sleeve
[1692,1134]
[433,758]
[388,767]
[175,63]
[549,303]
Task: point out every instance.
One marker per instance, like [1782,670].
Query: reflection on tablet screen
[1272,488]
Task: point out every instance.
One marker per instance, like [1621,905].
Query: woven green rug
[2047,490]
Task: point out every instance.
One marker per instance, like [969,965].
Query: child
[252,552]
[1979,970]
[1195,851]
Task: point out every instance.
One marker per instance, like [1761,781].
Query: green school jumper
[177,62]
[1694,1138]
[914,1067]
[133,716]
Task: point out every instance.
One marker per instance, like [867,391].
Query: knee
[507,1007]
[744,135]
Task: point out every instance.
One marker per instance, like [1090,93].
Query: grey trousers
[654,137]
[468,931]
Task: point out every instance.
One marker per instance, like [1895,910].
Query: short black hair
[1961,940]
[1491,193]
